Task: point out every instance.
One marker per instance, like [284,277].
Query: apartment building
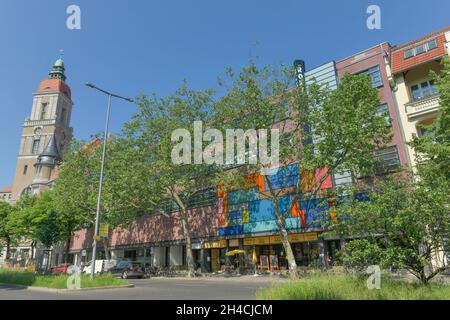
[414,89]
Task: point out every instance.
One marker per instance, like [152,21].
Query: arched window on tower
[63,115]
[43,111]
[36,146]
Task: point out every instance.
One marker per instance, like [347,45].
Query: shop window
[375,75]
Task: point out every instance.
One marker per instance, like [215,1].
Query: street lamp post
[100,188]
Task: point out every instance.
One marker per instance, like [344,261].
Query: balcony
[422,107]
[34,123]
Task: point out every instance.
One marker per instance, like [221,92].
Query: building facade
[45,135]
[415,91]
[376,63]
[243,219]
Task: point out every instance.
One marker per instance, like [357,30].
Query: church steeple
[50,155]
[58,70]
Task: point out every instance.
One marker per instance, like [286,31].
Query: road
[241,288]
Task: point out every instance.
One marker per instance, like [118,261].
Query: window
[36,145]
[409,53]
[25,170]
[383,111]
[425,132]
[43,111]
[421,49]
[203,198]
[375,75]
[388,159]
[423,90]
[430,45]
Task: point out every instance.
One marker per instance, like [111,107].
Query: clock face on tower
[38,131]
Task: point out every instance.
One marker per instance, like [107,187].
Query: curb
[43,289]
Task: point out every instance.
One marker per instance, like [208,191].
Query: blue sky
[144,46]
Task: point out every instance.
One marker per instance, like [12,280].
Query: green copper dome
[59,63]
[58,70]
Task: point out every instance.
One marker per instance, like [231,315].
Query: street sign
[83,253]
[104,230]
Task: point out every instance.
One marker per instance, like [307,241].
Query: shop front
[267,253]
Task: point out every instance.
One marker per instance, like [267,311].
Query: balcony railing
[32,123]
[422,106]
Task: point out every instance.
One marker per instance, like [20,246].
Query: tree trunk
[8,248]
[281,222]
[67,249]
[187,238]
[186,233]
[105,247]
[33,246]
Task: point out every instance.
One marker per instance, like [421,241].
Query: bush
[8,276]
[348,287]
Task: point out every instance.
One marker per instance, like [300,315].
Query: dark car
[128,269]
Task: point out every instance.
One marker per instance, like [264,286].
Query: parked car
[60,268]
[128,269]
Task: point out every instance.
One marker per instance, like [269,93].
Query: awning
[234,252]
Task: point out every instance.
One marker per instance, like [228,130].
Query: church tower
[45,135]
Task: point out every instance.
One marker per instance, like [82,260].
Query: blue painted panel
[292,223]
[261,210]
[228,231]
[234,215]
[313,209]
[285,177]
[260,226]
[242,196]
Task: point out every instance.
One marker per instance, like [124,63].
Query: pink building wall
[153,229]
[378,55]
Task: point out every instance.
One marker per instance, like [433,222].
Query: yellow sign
[293,238]
[97,238]
[215,244]
[248,242]
[312,236]
[233,243]
[103,230]
[261,240]
[275,239]
[245,216]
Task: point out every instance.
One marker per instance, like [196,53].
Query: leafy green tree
[400,225]
[76,190]
[337,130]
[406,223]
[20,224]
[161,183]
[35,219]
[6,234]
[433,151]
